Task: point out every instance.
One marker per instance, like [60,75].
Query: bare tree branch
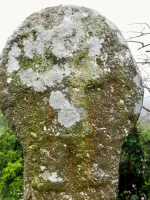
[148,110]
[141,34]
[144,46]
[141,24]
[135,42]
[142,43]
[143,60]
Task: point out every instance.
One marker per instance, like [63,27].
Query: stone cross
[71,92]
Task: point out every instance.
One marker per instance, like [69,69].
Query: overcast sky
[120,12]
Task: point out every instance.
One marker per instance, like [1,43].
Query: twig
[148,110]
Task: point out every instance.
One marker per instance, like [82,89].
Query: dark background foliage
[11,164]
[134,181]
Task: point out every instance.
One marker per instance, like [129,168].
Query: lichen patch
[138,106]
[53,177]
[68,115]
[13,63]
[95,45]
[15,51]
[32,79]
[40,81]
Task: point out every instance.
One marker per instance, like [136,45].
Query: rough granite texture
[71,92]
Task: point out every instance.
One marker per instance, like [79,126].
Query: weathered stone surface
[71,92]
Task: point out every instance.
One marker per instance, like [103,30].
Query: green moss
[27,63]
[99,61]
[94,85]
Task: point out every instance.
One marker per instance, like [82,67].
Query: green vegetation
[134,171]
[11,164]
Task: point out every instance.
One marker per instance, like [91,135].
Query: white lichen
[29,48]
[31,78]
[57,134]
[55,75]
[9,80]
[42,168]
[98,174]
[59,49]
[55,39]
[124,56]
[34,135]
[44,36]
[95,45]
[68,115]
[101,145]
[39,45]
[65,29]
[79,15]
[15,51]
[121,101]
[27,76]
[115,181]
[84,195]
[58,101]
[32,48]
[45,152]
[137,81]
[95,165]
[126,131]
[13,63]
[66,196]
[53,177]
[128,55]
[138,106]
[40,81]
